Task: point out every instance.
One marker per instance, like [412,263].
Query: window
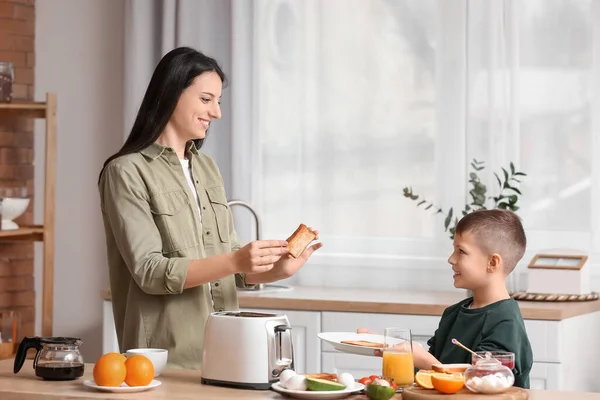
[347,116]
[354,100]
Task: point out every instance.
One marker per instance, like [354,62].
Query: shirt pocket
[218,203]
[174,218]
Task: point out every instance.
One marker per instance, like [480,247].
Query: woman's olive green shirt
[152,231]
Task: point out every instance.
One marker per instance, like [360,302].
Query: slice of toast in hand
[300,240]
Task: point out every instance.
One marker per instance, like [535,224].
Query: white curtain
[335,106]
[354,100]
[154,27]
[222,31]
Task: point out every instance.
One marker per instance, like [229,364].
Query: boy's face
[469,262]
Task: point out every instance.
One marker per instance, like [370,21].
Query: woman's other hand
[259,256]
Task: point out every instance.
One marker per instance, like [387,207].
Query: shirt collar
[155,150]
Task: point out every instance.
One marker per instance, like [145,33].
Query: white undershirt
[187,171]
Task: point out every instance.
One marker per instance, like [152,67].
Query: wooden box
[558,274]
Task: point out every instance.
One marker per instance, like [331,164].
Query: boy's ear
[495,263]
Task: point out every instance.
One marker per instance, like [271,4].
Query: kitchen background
[333,107]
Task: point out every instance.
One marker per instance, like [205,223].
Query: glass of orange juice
[398,363]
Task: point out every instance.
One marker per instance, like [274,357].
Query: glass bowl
[507,358]
[489,376]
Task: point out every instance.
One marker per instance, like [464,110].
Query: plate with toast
[365,344]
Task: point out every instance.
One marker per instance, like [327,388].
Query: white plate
[123,388]
[335,339]
[309,394]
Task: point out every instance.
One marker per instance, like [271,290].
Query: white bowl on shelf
[11,209]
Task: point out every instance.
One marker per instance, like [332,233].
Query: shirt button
[204,208]
[216,284]
[208,233]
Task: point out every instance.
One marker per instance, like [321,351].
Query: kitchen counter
[176,385]
[392,302]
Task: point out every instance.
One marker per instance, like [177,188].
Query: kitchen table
[177,384]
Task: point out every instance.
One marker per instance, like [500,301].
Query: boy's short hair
[496,231]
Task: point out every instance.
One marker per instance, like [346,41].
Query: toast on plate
[363,343]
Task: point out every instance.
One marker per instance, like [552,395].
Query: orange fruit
[447,383]
[423,378]
[118,356]
[110,370]
[140,370]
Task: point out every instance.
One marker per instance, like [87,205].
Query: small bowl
[12,208]
[157,356]
[489,376]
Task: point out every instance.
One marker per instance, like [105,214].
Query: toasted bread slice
[323,375]
[450,368]
[364,343]
[300,240]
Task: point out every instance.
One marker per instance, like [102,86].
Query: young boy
[488,244]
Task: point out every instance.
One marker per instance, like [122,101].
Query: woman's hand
[259,256]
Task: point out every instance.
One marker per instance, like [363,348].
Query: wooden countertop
[392,302]
[177,384]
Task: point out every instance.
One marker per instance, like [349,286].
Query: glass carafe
[56,359]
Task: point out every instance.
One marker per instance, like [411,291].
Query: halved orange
[447,383]
[423,378]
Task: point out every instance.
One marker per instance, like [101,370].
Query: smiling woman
[173,253]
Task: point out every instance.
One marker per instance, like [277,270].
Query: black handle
[282,328]
[26,344]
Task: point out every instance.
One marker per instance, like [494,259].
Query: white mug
[158,357]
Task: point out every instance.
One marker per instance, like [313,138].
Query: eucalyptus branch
[507,198]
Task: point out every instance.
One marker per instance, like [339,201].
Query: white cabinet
[307,346]
[109,334]
[359,366]
[545,376]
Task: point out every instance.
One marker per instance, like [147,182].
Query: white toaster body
[246,349]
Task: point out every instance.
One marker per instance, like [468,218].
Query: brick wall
[17,38]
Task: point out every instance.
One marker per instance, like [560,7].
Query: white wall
[79,55]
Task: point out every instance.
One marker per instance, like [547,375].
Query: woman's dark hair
[174,73]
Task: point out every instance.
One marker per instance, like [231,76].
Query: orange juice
[399,366]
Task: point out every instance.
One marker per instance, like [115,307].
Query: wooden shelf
[33,109]
[45,233]
[34,233]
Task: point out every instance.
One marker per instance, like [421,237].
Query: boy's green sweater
[496,327]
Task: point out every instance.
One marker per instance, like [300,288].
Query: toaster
[246,349]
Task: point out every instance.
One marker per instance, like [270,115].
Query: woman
[173,253]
